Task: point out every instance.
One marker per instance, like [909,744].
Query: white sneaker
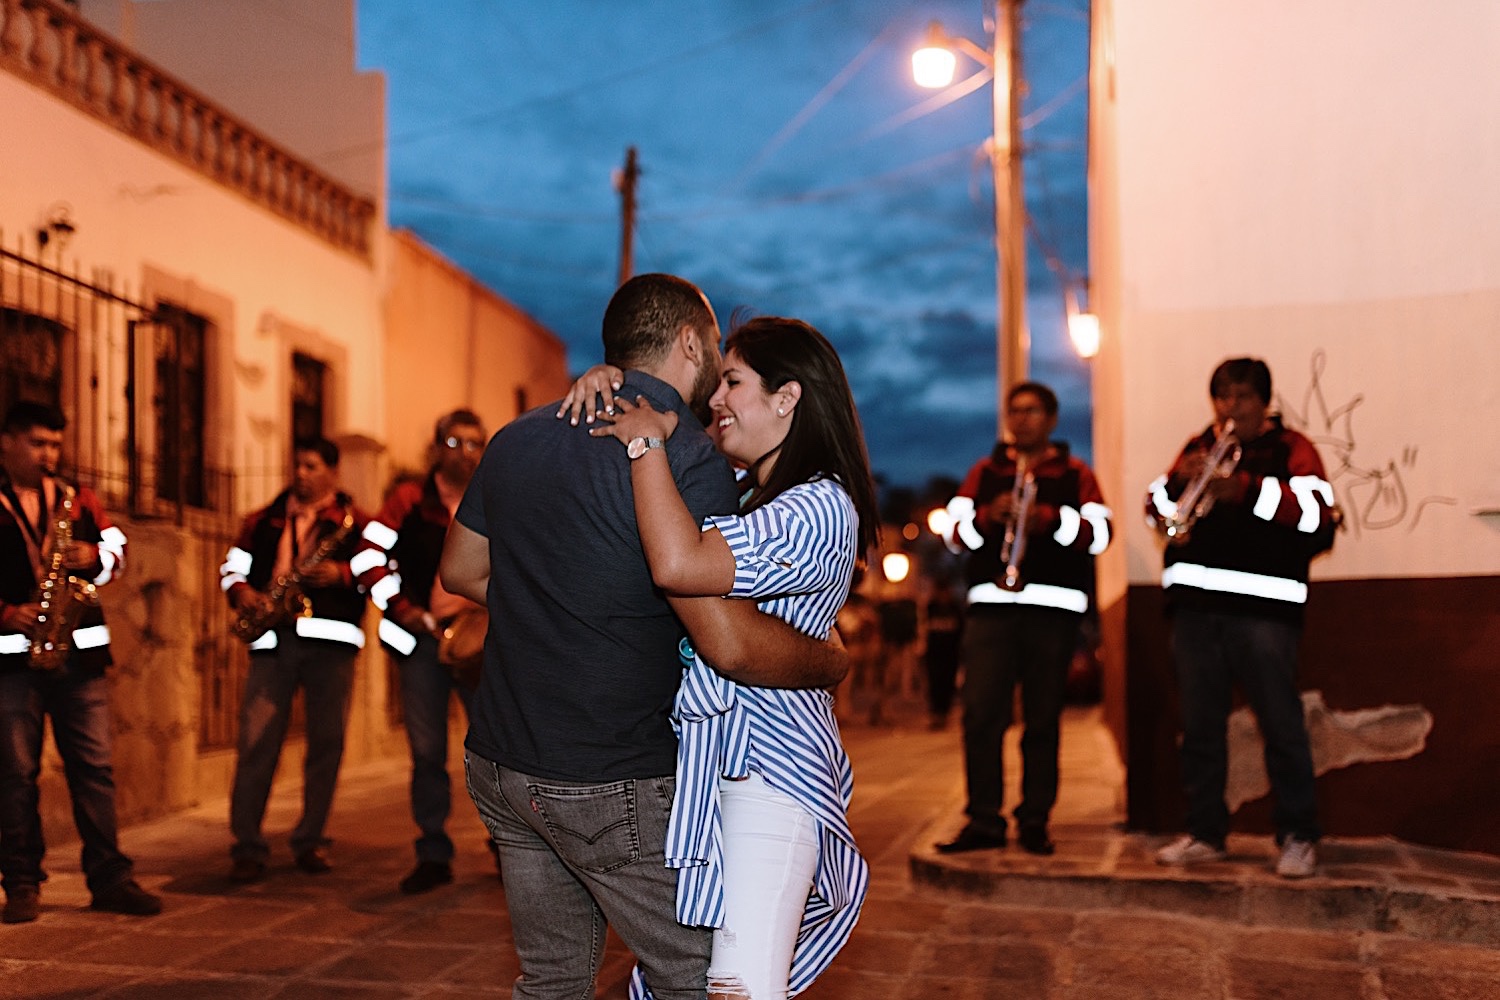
[1299,859]
[1187,850]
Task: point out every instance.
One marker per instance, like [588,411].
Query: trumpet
[1196,501]
[1013,548]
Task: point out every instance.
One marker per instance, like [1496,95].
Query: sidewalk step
[1377,884]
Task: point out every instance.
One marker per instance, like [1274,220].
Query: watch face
[636,448]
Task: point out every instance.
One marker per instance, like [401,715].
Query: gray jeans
[576,859]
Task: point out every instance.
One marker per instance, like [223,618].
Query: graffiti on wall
[1373,490]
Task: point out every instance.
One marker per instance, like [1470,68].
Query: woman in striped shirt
[759,828]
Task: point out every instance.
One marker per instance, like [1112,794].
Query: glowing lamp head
[1083,328]
[933,65]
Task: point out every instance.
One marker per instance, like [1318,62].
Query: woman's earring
[780,412]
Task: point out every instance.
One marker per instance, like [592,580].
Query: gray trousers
[325,672]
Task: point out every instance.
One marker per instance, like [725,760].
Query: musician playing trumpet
[1235,580]
[50,529]
[288,580]
[1031,518]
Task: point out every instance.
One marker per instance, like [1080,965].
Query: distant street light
[933,66]
[896,566]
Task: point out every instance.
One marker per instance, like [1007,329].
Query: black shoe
[129,898]
[23,904]
[971,838]
[428,875]
[314,861]
[247,870]
[1034,840]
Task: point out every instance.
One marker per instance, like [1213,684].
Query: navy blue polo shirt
[580,666]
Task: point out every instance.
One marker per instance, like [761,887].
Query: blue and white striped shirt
[795,556]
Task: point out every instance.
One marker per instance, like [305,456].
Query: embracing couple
[692,796]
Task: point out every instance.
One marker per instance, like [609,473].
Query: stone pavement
[1096,921]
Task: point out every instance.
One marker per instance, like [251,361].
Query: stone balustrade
[49,45]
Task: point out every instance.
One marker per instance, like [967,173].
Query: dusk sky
[789,165]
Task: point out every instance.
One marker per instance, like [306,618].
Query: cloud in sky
[778,172]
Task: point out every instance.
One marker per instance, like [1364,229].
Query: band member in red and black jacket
[398,564]
[68,686]
[1022,629]
[309,533]
[1236,583]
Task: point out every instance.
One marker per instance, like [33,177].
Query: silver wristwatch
[639,446]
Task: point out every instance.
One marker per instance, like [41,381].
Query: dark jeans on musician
[580,858]
[941,661]
[1005,645]
[1212,652]
[325,672]
[79,708]
[426,689]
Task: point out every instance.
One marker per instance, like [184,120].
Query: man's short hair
[26,414]
[1047,397]
[645,315]
[456,418]
[325,449]
[1242,371]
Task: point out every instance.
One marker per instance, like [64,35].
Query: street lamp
[932,67]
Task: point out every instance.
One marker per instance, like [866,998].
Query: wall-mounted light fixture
[58,226]
[1083,327]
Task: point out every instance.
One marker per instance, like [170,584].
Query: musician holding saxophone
[1244,509]
[1031,518]
[56,546]
[298,606]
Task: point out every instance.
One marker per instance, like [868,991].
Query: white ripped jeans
[770,856]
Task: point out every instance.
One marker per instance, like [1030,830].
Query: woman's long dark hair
[825,440]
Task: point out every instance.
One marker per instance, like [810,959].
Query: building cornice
[48,45]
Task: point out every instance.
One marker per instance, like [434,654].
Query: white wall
[1311,183]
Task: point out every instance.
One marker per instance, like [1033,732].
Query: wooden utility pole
[1014,340]
[625,184]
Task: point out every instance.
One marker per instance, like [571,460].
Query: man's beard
[704,385]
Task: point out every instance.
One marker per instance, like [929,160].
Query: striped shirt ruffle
[795,556]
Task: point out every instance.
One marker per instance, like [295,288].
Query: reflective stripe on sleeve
[382,535]
[1165,507]
[237,560]
[15,642]
[1067,526]
[961,509]
[1097,515]
[384,589]
[366,560]
[1269,500]
[1233,581]
[265,642]
[396,637]
[1041,595]
[333,630]
[1307,489]
[91,637]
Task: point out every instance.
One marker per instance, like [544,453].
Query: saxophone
[287,601]
[63,598]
